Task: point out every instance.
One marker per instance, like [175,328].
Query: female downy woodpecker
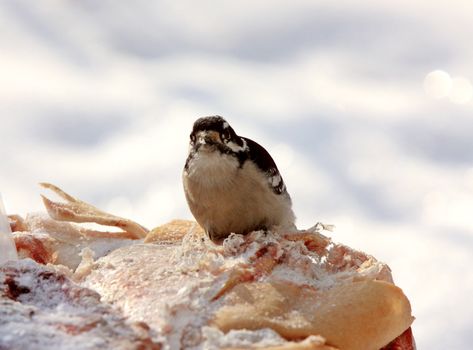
[232,184]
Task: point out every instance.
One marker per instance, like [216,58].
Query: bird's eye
[226,136]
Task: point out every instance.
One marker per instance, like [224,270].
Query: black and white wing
[265,162]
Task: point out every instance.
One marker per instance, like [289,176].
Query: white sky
[367,110]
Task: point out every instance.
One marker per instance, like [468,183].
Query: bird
[232,184]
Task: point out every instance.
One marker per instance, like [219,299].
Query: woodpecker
[232,184]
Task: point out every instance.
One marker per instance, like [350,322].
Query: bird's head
[214,133]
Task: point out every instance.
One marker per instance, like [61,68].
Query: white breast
[212,169]
[225,197]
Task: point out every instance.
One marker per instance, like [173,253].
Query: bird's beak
[208,138]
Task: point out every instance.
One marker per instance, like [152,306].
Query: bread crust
[364,315]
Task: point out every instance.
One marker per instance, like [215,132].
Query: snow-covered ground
[367,109]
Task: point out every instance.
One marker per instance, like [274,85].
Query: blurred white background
[366,108]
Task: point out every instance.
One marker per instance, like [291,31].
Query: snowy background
[367,109]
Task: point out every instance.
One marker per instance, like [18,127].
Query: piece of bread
[362,315]
[271,290]
[255,282]
[42,309]
[46,240]
[172,232]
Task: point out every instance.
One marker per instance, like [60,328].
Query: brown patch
[29,246]
[315,242]
[74,329]
[13,289]
[173,231]
[404,342]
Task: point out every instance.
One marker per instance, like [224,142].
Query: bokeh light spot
[437,84]
[461,91]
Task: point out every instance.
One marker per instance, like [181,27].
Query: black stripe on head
[214,123]
[218,124]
